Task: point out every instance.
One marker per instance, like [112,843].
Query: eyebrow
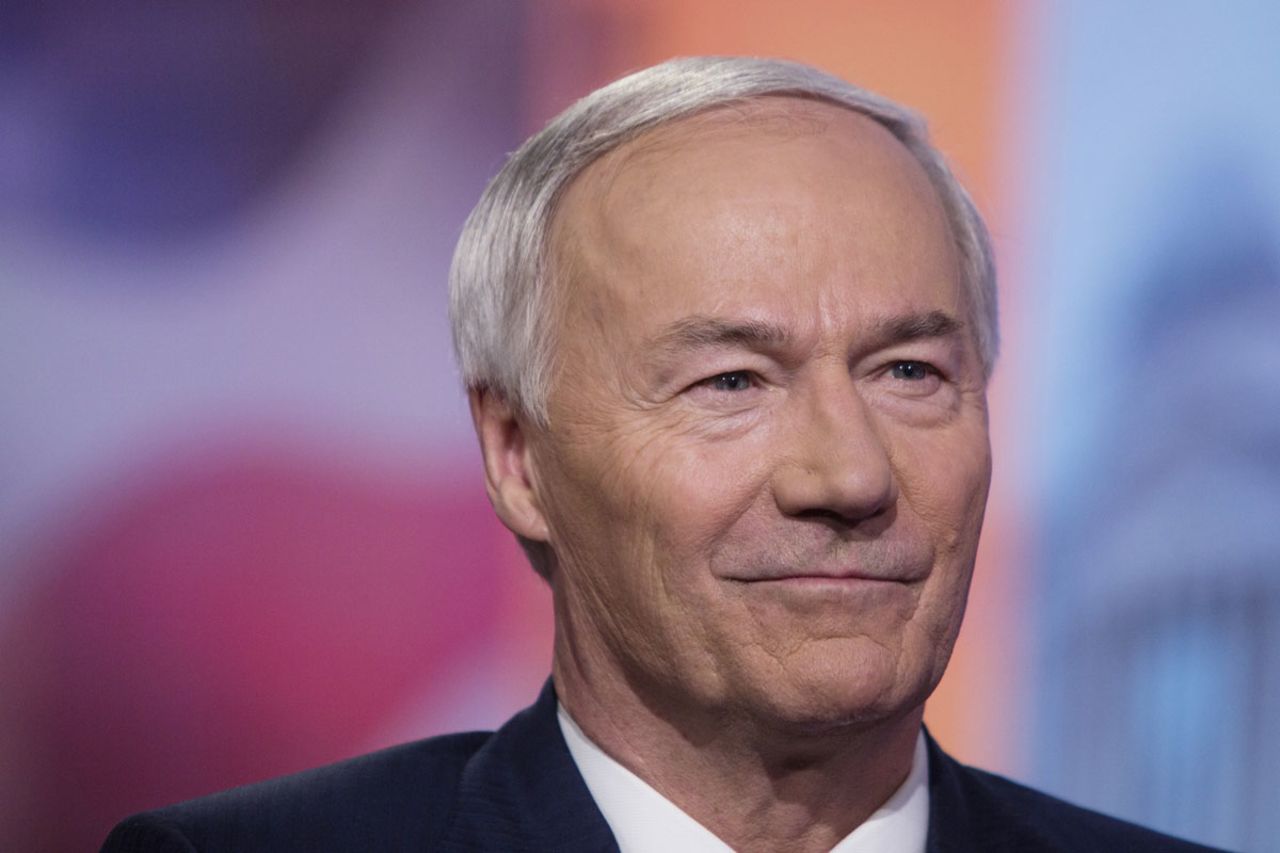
[933,324]
[701,331]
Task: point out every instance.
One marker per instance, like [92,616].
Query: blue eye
[736,380]
[912,371]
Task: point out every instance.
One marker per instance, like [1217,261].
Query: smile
[832,582]
[839,574]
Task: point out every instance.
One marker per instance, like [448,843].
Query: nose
[835,462]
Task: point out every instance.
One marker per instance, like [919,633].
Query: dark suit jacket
[518,789]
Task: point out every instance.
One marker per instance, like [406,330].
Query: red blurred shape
[253,615]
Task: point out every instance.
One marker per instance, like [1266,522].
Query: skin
[763,485]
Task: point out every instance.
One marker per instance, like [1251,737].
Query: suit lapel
[951,818]
[522,791]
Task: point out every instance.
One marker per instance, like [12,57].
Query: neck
[757,784]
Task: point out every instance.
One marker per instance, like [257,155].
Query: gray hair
[498,284]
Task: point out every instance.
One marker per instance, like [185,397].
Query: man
[726,327]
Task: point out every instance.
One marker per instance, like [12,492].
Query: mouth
[825,583]
[847,593]
[820,577]
[836,575]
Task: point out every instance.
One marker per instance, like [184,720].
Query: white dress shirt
[644,821]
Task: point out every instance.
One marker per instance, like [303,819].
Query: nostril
[847,526]
[833,515]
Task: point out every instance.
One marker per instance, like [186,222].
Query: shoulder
[395,798]
[990,812]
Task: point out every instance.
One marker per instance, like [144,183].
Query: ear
[508,465]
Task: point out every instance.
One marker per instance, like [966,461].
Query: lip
[824,591]
[834,580]
[835,574]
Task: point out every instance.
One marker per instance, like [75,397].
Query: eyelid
[934,363]
[925,387]
[752,376]
[929,366]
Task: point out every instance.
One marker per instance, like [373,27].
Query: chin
[819,693]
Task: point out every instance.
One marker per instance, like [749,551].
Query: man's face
[768,458]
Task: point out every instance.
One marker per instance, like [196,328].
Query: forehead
[769,202]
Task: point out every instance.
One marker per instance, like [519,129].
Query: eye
[911,378]
[734,380]
[912,371]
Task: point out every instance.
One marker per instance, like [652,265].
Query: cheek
[711,492]
[636,519]
[633,499]
[943,476]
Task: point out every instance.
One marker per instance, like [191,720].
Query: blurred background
[242,528]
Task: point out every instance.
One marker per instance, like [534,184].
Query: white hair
[499,294]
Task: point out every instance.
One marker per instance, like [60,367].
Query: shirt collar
[642,820]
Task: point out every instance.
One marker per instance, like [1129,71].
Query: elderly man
[726,327]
